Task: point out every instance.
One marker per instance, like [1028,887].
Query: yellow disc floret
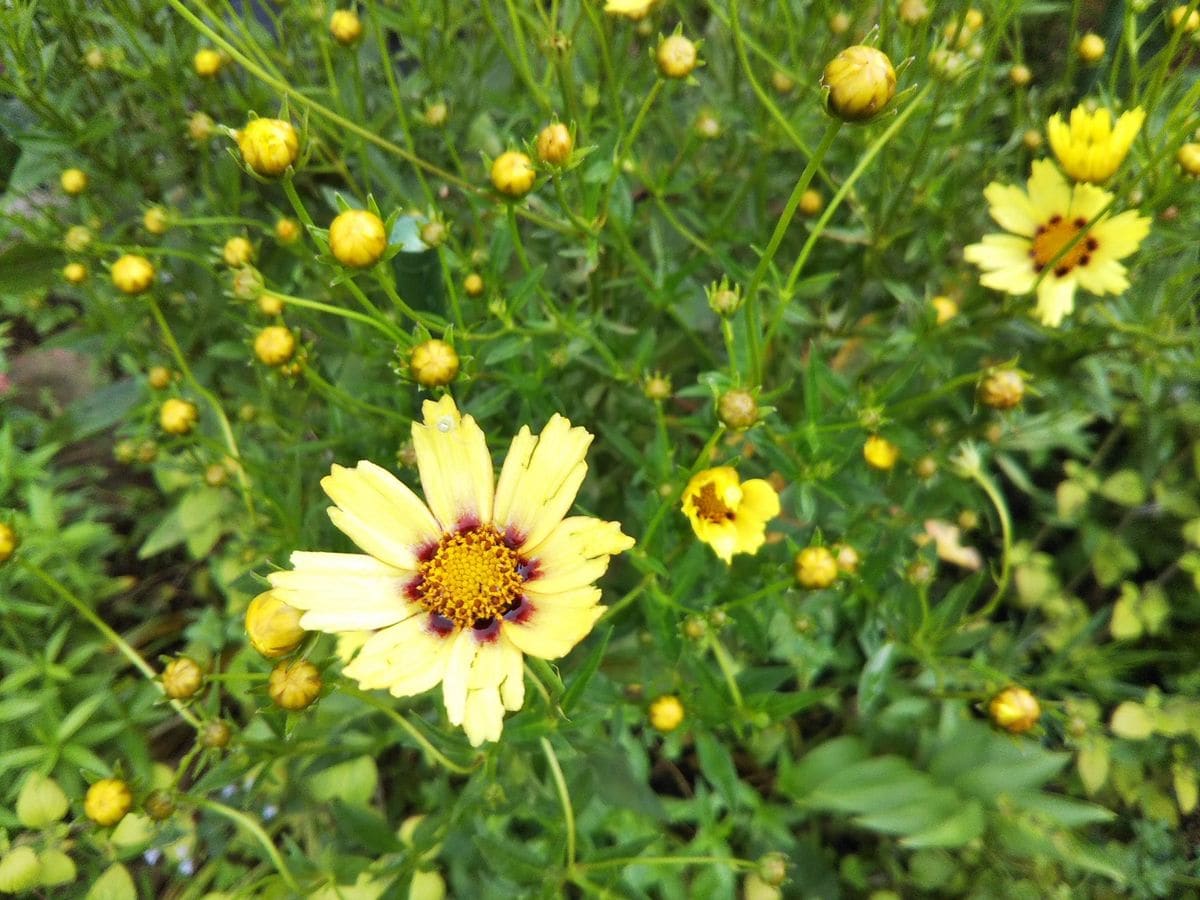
[471,578]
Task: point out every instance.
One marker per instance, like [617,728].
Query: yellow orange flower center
[471,578]
[710,506]
[1053,237]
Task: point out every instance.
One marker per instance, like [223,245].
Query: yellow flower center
[1056,234]
[472,578]
[710,506]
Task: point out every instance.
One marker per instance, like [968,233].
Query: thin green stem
[620,862]
[257,832]
[564,797]
[331,310]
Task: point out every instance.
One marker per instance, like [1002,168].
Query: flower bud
[73,181]
[107,801]
[1015,710]
[945,309]
[513,174]
[1020,75]
[357,238]
[269,304]
[287,230]
[436,114]
[216,475]
[246,283]
[737,409]
[473,285]
[132,274]
[839,22]
[1181,18]
[657,386]
[201,127]
[159,805]
[1032,139]
[860,81]
[8,542]
[847,558]
[147,452]
[274,345]
[268,146]
[182,678]
[75,273]
[666,713]
[41,802]
[694,628]
[238,251]
[433,233]
[815,568]
[554,144]
[782,82]
[155,221]
[723,299]
[94,58]
[177,416]
[947,64]
[345,26]
[1091,48]
[272,626]
[215,735]
[880,453]
[77,238]
[207,62]
[772,868]
[433,363]
[294,684]
[913,12]
[811,203]
[1188,158]
[20,870]
[1002,389]
[708,126]
[926,467]
[677,57]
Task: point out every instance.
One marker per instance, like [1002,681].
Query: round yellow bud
[1015,710]
[132,274]
[95,58]
[8,542]
[73,181]
[159,377]
[473,285]
[107,801]
[1091,48]
[159,805]
[1020,75]
[269,304]
[554,144]
[357,238]
[666,713]
[216,475]
[182,678]
[433,363]
[1188,158]
[847,558]
[294,685]
[75,273]
[41,802]
[839,22]
[207,63]
[973,20]
[274,345]
[215,734]
[77,238]
[811,202]
[1002,389]
[880,453]
[434,233]
[436,114]
[913,12]
[815,567]
[782,82]
[1032,139]
[345,26]
[272,626]
[155,220]
[677,57]
[657,386]
[926,467]
[287,230]
[944,308]
[1181,18]
[513,174]
[737,409]
[177,416]
[268,146]
[708,126]
[860,81]
[238,251]
[201,127]
[246,283]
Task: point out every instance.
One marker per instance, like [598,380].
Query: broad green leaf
[962,827]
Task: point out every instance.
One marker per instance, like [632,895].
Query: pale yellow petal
[1055,299]
[759,499]
[456,469]
[380,514]
[1087,200]
[1011,208]
[999,251]
[1049,194]
[344,591]
[483,715]
[1010,281]
[457,675]
[551,629]
[512,689]
[1122,234]
[576,553]
[406,659]
[1104,276]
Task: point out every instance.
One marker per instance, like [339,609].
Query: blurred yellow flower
[666,713]
[1044,220]
[73,181]
[728,514]
[132,274]
[1090,148]
[880,453]
[1015,710]
[457,591]
[630,9]
[345,26]
[177,416]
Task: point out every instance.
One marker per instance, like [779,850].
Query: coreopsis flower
[237,252]
[1015,710]
[1091,48]
[629,9]
[182,678]
[107,801]
[815,567]
[75,273]
[861,81]
[294,685]
[458,589]
[207,62]
[1090,148]
[513,174]
[177,416]
[880,453]
[357,238]
[728,514]
[132,274]
[1002,389]
[268,146]
[1042,221]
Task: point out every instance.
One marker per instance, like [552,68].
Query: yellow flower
[677,57]
[728,514]
[860,81]
[554,144]
[880,453]
[1015,710]
[457,591]
[238,251]
[287,230]
[177,416]
[357,238]
[182,678]
[207,63]
[1091,48]
[274,345]
[8,542]
[1020,75]
[75,273]
[200,127]
[1090,148]
[345,26]
[107,801]
[294,685]
[815,567]
[268,146]
[666,713]
[74,181]
[473,284]
[1188,158]
[272,626]
[132,274]
[1181,18]
[629,9]
[155,220]
[434,363]
[944,308]
[77,238]
[1042,221]
[811,202]
[513,174]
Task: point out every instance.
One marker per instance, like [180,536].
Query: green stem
[564,797]
[731,861]
[430,751]
[256,830]
[332,310]
[725,661]
[668,502]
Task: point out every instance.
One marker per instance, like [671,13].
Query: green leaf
[821,763]
[115,884]
[1061,811]
[717,766]
[352,782]
[579,683]
[1124,487]
[962,827]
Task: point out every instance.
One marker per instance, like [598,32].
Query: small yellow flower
[1020,75]
[513,174]
[1188,158]
[880,453]
[8,542]
[294,684]
[629,9]
[274,345]
[1091,148]
[433,363]
[287,230]
[77,238]
[1015,710]
[815,567]
[1002,389]
[345,26]
[811,202]
[677,57]
[177,416]
[155,220]
[357,238]
[860,81]
[272,626]
[238,251]
[473,285]
[268,146]
[1181,18]
[1091,48]
[207,62]
[74,181]
[182,678]
[666,713]
[132,274]
[1043,220]
[944,308]
[554,144]
[201,127]
[782,82]
[728,514]
[107,801]
[913,12]
[269,304]
[75,273]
